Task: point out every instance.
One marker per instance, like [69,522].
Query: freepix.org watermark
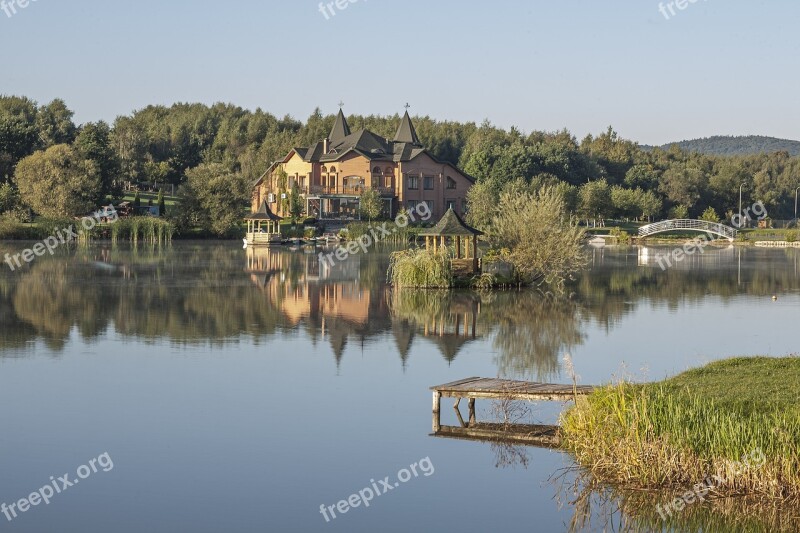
[376,234]
[668,9]
[62,236]
[10,7]
[56,486]
[375,489]
[751,461]
[329,9]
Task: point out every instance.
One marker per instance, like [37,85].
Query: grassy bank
[705,422]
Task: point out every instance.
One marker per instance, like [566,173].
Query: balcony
[350,190]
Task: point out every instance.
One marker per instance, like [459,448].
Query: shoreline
[729,429]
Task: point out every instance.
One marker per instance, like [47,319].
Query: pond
[255,390]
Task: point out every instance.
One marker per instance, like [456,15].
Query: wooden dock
[501,389]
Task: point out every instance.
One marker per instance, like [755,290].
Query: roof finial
[341,104]
[407,105]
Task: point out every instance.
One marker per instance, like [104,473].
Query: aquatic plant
[421,268]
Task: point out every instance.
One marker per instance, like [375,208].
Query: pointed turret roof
[340,129]
[406,132]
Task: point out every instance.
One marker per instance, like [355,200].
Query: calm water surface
[239,390]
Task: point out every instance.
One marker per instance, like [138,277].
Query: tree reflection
[216,294]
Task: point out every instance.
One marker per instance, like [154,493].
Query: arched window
[324,169]
[389,171]
[333,169]
[376,171]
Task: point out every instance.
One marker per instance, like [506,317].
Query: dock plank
[496,387]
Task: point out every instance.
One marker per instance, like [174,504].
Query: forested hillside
[214,153]
[743,145]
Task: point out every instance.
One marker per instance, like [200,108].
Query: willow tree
[534,231]
[58,182]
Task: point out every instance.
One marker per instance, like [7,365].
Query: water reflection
[201,293]
[598,507]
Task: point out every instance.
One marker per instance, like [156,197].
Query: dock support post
[472,418]
[437,402]
[458,413]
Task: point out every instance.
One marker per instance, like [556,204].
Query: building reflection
[196,293]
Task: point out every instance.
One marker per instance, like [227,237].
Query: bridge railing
[688,224]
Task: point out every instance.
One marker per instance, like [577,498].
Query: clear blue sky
[717,67]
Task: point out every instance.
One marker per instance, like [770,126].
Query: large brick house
[331,175]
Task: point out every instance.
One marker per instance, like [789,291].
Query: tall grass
[670,435]
[421,268]
[146,229]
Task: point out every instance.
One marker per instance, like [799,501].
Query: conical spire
[406,132]
[340,129]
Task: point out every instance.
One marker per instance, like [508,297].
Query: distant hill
[745,145]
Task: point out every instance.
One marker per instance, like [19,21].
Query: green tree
[162,206]
[58,182]
[9,198]
[54,122]
[595,200]
[370,204]
[296,207]
[214,198]
[679,212]
[542,242]
[94,144]
[650,205]
[710,215]
[19,136]
[684,185]
[625,202]
[137,201]
[482,203]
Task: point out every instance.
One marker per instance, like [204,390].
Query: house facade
[331,175]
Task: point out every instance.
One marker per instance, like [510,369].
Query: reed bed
[420,268]
[144,229]
[703,423]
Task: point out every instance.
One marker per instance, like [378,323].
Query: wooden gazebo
[453,227]
[263,227]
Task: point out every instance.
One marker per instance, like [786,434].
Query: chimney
[325,145]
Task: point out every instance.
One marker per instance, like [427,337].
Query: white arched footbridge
[700,226]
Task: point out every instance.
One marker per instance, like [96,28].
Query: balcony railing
[350,190]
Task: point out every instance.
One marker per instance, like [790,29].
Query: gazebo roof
[264,213]
[450,225]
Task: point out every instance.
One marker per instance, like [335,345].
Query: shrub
[622,236]
[791,236]
[421,268]
[544,245]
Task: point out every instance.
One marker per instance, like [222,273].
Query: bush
[421,268]
[791,236]
[543,244]
[622,236]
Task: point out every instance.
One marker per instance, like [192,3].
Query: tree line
[51,166]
